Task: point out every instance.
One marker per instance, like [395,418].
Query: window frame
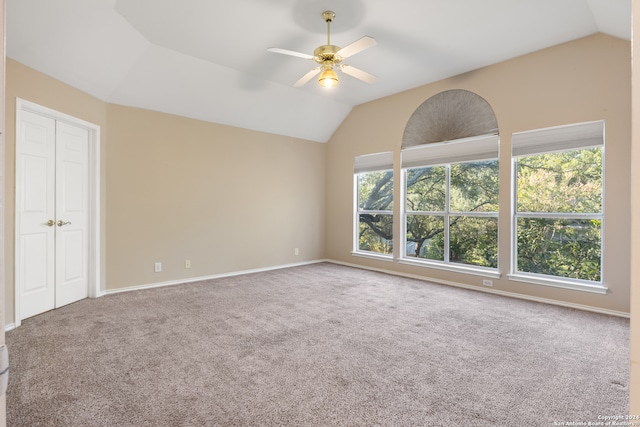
[565,138]
[446,154]
[376,162]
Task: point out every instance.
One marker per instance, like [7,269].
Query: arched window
[450,184]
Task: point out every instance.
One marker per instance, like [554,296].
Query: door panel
[35,189]
[72,157]
[36,200]
[35,255]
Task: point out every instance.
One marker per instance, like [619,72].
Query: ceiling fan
[330,57]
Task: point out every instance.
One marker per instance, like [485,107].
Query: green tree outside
[375,212]
[559,202]
[567,183]
[473,189]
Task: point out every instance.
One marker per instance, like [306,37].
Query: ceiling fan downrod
[328,16]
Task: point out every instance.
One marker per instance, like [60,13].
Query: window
[451,203]
[558,205]
[374,204]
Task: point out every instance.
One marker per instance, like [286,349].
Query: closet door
[35,201]
[52,210]
[71,254]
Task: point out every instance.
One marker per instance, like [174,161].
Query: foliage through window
[451,202]
[374,213]
[559,202]
[450,205]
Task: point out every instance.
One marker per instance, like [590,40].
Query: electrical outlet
[486,282]
[296,251]
[157,267]
[187,263]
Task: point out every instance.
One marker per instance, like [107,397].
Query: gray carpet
[317,345]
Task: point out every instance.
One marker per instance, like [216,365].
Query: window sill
[456,268]
[559,283]
[373,255]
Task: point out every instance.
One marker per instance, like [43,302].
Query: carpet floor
[316,345]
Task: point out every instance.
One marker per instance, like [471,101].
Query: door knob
[61,223]
[50,223]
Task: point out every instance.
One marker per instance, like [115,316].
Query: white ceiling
[208,59]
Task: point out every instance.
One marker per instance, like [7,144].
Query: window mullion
[402,238]
[374,212]
[447,208]
[560,215]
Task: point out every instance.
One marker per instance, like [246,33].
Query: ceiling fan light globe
[328,78]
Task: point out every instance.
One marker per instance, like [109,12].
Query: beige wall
[587,79]
[173,188]
[3,399]
[225,198]
[634,400]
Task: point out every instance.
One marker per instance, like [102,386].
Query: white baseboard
[9,327]
[490,291]
[203,278]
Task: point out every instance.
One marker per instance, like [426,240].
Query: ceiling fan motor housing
[327,54]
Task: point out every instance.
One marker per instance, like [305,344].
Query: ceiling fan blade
[357,46]
[290,53]
[358,74]
[305,79]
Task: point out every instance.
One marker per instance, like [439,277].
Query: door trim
[95,283]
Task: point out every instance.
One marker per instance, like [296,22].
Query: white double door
[52,160]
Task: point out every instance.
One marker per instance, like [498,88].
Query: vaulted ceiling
[208,59]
